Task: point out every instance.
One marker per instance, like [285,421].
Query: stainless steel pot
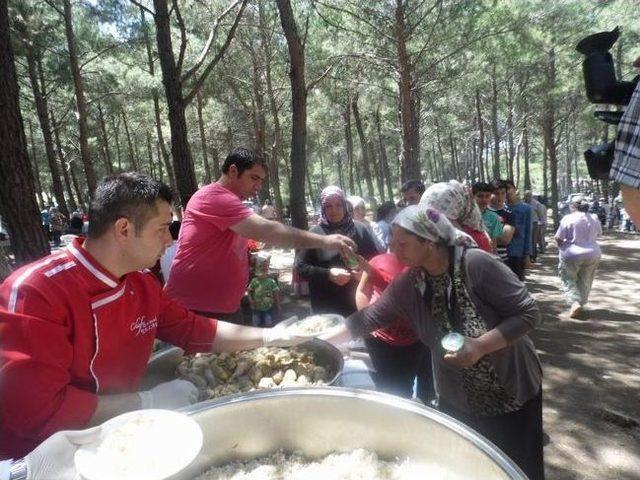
[322,420]
[162,365]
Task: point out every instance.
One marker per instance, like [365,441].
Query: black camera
[603,87]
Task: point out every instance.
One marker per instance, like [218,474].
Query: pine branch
[212,35]
[198,83]
[139,5]
[183,36]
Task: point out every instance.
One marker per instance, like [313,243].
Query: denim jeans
[263,318]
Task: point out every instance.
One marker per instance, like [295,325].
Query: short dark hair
[498,184]
[243,159]
[384,210]
[129,195]
[416,185]
[481,187]
[508,183]
[174,229]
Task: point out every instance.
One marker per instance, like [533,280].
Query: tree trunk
[454,158]
[259,122]
[105,140]
[116,131]
[366,163]
[410,169]
[160,166]
[550,133]
[81,103]
[299,114]
[378,170]
[76,185]
[133,155]
[203,140]
[17,191]
[152,170]
[516,177]
[40,95]
[481,169]
[180,151]
[510,127]
[384,161]
[494,125]
[65,172]
[346,115]
[164,155]
[443,172]
[545,163]
[276,148]
[36,170]
[567,161]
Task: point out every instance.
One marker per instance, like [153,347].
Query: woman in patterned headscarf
[453,200]
[493,382]
[332,283]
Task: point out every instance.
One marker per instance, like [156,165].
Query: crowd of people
[78,326]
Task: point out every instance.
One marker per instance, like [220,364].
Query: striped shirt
[626,162]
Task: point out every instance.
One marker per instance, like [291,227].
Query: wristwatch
[18,470]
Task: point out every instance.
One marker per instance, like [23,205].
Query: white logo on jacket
[143,326]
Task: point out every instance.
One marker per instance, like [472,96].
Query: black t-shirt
[314,264]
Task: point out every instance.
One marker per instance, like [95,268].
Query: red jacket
[69,331]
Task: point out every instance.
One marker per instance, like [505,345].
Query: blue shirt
[520,244]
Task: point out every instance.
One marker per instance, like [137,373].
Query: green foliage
[454,47]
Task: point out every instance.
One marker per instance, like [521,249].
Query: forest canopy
[360,94]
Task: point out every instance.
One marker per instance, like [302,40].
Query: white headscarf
[452,199]
[429,223]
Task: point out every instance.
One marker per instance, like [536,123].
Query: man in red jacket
[77,327]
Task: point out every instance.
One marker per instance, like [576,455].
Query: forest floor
[591,366]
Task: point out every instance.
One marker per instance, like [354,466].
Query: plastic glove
[53,458]
[281,336]
[171,395]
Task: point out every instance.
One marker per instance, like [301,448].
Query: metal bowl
[162,365]
[318,421]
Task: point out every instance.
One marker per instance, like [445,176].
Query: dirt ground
[591,366]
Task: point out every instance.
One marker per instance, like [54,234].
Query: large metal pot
[162,365]
[322,420]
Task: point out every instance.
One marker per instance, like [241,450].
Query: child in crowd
[264,294]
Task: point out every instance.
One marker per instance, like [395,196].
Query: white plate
[294,325]
[141,445]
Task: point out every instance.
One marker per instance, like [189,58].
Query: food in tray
[221,374]
[150,444]
[315,324]
[358,464]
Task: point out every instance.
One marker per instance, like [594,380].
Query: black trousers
[396,367]
[516,264]
[518,434]
[425,389]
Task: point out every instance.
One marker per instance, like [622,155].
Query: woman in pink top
[395,351]
[579,254]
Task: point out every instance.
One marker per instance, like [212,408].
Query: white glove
[53,458]
[281,336]
[171,395]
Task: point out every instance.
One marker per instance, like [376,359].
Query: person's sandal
[576,310]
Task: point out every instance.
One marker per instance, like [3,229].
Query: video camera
[603,87]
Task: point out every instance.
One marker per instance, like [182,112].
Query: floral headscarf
[344,226]
[429,223]
[452,199]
